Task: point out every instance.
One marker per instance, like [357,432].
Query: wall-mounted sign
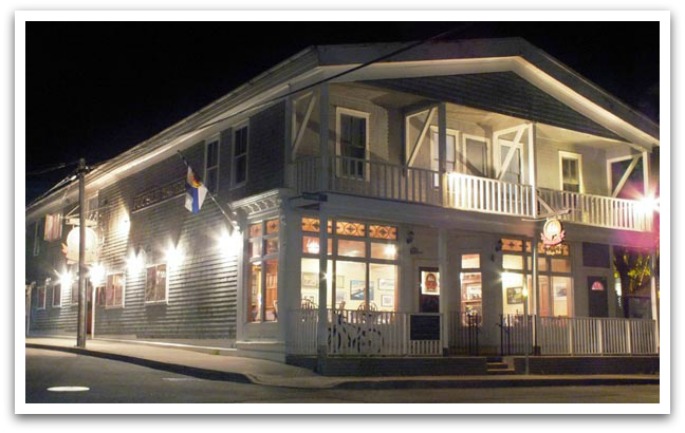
[71,248]
[552,233]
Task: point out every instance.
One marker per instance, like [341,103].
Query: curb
[200,373]
[358,384]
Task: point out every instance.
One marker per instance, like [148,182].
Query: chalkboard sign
[424,327]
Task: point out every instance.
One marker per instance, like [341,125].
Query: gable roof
[556,85]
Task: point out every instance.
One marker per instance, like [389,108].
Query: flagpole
[232,221]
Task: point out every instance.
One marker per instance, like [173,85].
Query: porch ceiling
[500,92]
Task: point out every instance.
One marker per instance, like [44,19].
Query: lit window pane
[561,265]
[255,298]
[510,261]
[561,289]
[348,248]
[348,228]
[271,301]
[383,251]
[470,261]
[383,286]
[310,245]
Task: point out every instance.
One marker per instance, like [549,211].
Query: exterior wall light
[231,245]
[135,263]
[97,274]
[65,279]
[174,257]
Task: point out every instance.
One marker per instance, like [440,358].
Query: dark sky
[95,89]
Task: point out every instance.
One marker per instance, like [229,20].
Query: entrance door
[599,304]
[429,290]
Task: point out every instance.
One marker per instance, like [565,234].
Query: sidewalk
[211,363]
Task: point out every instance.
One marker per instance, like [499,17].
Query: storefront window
[471,290]
[263,245]
[555,285]
[363,272]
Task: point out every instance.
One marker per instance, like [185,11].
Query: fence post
[600,337]
[629,345]
[570,335]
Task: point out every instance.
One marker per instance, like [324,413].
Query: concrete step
[499,368]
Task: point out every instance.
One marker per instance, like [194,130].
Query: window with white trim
[239,156]
[156,284]
[570,171]
[42,297]
[262,291]
[363,265]
[114,291]
[450,153]
[352,144]
[474,155]
[211,176]
[56,295]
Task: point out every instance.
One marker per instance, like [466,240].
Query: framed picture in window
[357,290]
[514,295]
[430,283]
[386,284]
[387,301]
[560,292]
[310,280]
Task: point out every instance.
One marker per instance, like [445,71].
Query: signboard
[71,248]
[552,233]
[424,327]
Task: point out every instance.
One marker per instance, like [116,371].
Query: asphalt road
[110,381]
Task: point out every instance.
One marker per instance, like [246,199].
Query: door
[599,303]
[429,290]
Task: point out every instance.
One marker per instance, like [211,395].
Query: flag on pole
[195,192]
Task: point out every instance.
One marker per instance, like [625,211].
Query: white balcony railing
[466,192]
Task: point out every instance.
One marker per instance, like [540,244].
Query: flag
[53,227]
[195,192]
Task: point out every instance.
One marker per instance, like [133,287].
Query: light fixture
[174,256]
[135,262]
[97,274]
[313,247]
[391,250]
[65,279]
[230,244]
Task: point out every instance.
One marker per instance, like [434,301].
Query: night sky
[96,89]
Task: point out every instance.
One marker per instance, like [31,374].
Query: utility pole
[82,307]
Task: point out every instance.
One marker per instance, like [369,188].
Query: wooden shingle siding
[500,92]
[202,292]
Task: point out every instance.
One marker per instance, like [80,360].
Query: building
[448,175]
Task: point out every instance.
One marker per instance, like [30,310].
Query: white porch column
[532,170]
[324,147]
[446,285]
[653,296]
[322,325]
[288,143]
[442,148]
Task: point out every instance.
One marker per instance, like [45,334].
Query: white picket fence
[579,335]
[362,333]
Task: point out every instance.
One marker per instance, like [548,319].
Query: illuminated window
[156,283]
[114,291]
[363,273]
[471,290]
[262,293]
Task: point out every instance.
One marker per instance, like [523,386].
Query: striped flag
[195,192]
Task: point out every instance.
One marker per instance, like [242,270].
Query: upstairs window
[571,176]
[353,142]
[239,160]
[211,178]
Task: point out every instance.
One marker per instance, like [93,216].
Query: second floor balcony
[382,180]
